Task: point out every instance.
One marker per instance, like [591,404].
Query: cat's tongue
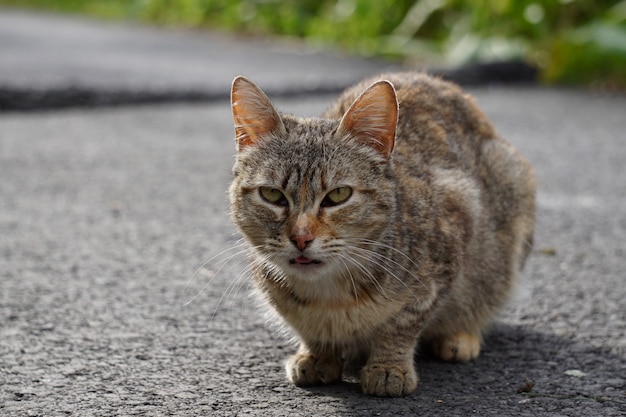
[303,260]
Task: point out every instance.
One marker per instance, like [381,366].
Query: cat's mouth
[303,260]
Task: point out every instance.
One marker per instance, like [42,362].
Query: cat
[398,216]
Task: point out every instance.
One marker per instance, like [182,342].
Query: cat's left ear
[253,113]
[373,117]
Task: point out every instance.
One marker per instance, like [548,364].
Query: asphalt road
[106,213]
[56,61]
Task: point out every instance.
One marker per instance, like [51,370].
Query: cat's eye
[274,196]
[337,196]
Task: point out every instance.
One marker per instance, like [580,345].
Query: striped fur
[426,248]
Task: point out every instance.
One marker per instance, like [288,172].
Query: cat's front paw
[388,380]
[307,369]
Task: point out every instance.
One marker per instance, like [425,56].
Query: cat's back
[428,107]
[445,145]
[440,126]
[436,119]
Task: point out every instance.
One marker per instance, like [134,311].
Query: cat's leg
[313,368]
[457,347]
[390,370]
[455,333]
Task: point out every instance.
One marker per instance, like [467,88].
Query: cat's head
[313,195]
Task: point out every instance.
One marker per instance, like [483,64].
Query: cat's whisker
[221,264]
[245,282]
[381,257]
[356,295]
[408,272]
[366,273]
[354,252]
[386,258]
[204,264]
[265,262]
[232,289]
[239,282]
[234,246]
[385,246]
[241,279]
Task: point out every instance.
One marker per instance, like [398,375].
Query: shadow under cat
[519,372]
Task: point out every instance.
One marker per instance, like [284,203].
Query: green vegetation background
[571,41]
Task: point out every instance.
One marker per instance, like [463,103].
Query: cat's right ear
[253,113]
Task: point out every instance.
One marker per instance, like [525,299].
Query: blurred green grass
[580,42]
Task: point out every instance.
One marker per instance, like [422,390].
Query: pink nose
[302,239]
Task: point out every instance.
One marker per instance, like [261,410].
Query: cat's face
[312,195]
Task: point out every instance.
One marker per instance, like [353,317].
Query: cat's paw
[307,369]
[458,347]
[388,380]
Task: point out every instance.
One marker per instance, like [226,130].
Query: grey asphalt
[107,212]
[57,60]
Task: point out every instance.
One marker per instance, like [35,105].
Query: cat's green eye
[337,196]
[272,195]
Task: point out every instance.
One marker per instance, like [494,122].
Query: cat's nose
[302,239]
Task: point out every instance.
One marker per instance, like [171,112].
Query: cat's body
[368,234]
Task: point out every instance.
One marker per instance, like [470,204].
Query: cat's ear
[253,113]
[373,117]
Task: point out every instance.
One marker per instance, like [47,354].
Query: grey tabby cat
[398,216]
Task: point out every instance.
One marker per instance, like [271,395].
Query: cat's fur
[427,246]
